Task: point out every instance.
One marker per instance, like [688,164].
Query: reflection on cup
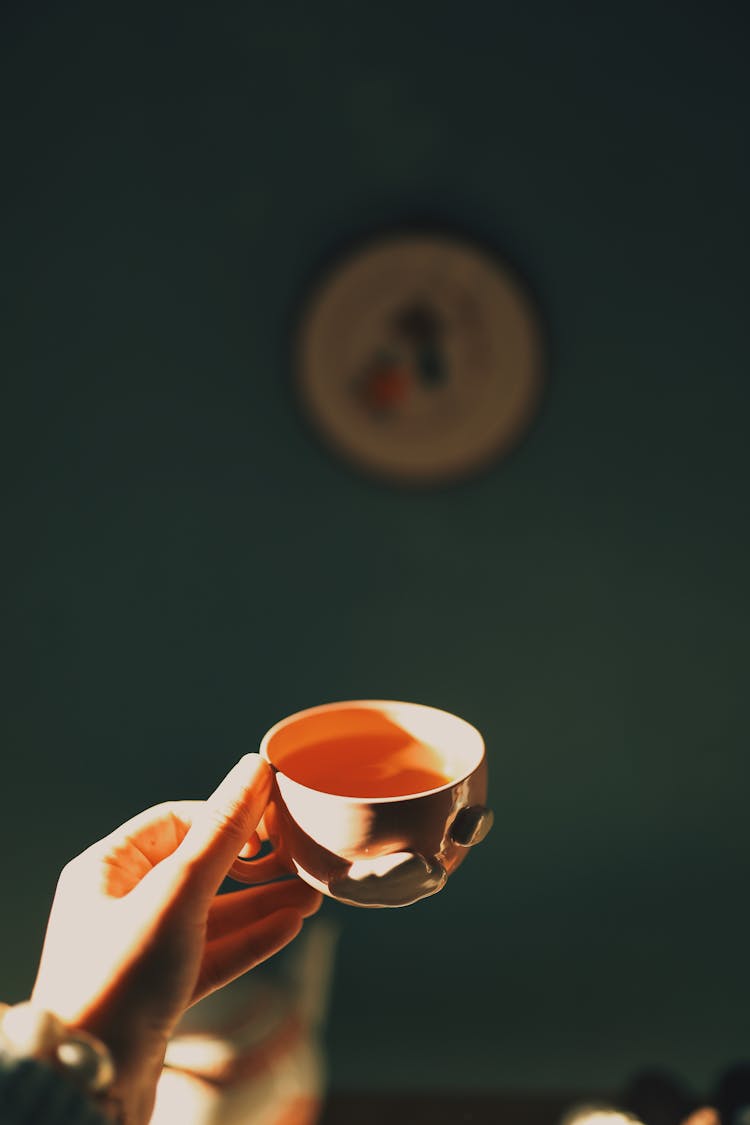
[375,802]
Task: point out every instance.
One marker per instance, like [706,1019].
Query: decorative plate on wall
[420,359]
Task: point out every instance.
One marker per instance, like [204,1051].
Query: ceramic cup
[381,850]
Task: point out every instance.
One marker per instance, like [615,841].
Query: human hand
[137,932]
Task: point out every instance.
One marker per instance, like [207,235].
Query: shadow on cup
[375,802]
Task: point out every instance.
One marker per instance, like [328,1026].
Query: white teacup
[372,841]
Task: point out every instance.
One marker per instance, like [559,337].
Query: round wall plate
[420,359]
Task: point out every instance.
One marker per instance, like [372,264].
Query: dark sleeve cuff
[32,1091]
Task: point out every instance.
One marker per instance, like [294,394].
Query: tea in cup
[374,802]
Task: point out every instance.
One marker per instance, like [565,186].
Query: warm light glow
[707,1115]
[598,1115]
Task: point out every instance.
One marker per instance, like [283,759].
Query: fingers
[236,911]
[229,957]
[252,847]
[226,822]
[199,838]
[155,832]
[259,870]
[119,861]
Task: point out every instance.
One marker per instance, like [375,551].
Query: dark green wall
[182,565]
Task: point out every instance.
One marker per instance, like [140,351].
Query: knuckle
[230,822]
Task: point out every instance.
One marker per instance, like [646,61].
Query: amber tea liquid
[366,765]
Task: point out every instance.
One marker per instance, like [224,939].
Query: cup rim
[373,704]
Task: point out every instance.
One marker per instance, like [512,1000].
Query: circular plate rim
[500,263]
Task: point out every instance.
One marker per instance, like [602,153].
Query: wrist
[138,1054]
[37,1045]
[130,1099]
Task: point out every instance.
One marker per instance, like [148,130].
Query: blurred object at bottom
[657,1098]
[704,1115]
[443,1107]
[597,1114]
[252,1051]
[732,1095]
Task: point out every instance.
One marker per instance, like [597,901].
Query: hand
[137,932]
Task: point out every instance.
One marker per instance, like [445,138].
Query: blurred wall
[182,564]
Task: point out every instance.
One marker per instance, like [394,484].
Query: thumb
[225,822]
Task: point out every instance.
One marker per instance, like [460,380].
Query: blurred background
[183,563]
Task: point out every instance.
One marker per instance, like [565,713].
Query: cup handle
[471,825]
[270,865]
[262,870]
[398,879]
